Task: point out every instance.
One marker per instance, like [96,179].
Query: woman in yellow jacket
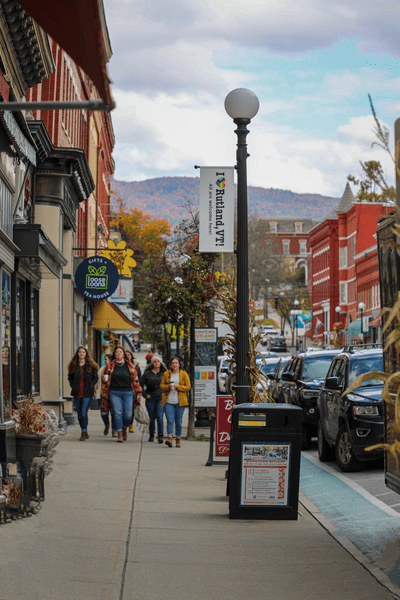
[175,383]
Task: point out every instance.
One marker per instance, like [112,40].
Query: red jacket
[137,390]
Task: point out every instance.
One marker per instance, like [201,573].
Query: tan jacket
[183,387]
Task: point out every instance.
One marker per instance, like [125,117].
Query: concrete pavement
[140,521]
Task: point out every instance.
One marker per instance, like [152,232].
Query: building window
[303,247]
[273,227]
[20,336]
[343,293]
[343,257]
[6,343]
[298,227]
[35,341]
[354,246]
[286,247]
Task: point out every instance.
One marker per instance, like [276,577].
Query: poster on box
[205,360]
[205,386]
[265,473]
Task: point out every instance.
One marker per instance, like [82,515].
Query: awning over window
[34,245]
[354,328]
[107,317]
[79,27]
[375,322]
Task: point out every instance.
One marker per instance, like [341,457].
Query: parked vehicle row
[345,424]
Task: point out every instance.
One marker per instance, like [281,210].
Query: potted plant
[30,420]
[12,492]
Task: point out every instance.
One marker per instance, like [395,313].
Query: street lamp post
[361,308]
[296,312]
[242,105]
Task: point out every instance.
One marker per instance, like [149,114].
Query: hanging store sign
[216,209]
[96,278]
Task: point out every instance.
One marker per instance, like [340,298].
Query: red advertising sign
[223,425]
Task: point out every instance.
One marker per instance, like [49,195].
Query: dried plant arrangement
[29,417]
[12,492]
[227,309]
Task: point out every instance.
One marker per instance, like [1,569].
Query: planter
[28,447]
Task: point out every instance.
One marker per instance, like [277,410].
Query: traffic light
[276,303]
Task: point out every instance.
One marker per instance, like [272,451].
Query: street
[371,479]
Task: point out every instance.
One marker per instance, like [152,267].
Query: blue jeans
[156,411]
[122,407]
[174,414]
[82,406]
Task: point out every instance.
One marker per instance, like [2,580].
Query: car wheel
[325,452]
[344,453]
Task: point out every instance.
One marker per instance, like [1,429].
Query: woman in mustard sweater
[175,383]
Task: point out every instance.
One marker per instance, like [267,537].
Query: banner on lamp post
[216,209]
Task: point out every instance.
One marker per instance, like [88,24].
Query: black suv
[300,384]
[349,423]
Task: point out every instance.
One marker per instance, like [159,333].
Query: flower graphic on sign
[120,256]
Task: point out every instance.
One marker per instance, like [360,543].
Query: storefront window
[20,337]
[35,341]
[6,342]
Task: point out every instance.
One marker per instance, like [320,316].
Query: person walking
[175,384]
[122,391]
[82,377]
[131,359]
[100,386]
[150,382]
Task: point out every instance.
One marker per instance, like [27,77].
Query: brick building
[344,270]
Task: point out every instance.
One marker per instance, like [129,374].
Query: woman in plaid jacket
[122,391]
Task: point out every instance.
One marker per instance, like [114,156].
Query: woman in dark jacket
[82,377]
[151,380]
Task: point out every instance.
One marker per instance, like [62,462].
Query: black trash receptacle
[264,461]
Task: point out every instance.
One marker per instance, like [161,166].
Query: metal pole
[242,317]
[362,324]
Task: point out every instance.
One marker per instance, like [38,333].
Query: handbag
[141,415]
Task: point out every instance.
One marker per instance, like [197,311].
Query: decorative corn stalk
[228,311]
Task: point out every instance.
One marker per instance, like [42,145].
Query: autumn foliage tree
[146,235]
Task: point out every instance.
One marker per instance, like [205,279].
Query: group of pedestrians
[118,387]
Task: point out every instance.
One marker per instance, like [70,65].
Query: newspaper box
[264,461]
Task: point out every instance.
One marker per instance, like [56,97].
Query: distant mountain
[165,196]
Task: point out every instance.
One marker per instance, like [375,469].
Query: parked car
[265,355]
[222,371]
[278,343]
[300,384]
[268,335]
[350,423]
[273,378]
[268,368]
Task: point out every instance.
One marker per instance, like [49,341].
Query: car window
[289,365]
[282,366]
[268,368]
[365,364]
[316,367]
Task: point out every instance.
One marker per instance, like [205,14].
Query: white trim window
[343,292]
[286,245]
[342,257]
[303,247]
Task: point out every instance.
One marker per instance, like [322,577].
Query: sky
[311,63]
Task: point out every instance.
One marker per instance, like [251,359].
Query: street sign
[223,425]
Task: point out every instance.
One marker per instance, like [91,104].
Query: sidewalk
[142,521]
